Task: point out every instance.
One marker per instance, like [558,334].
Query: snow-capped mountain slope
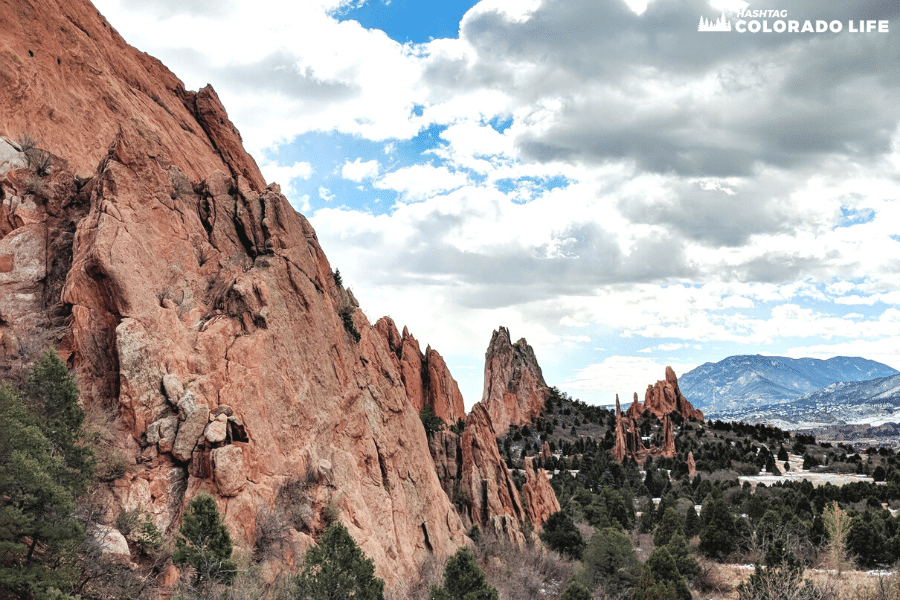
[871,402]
[739,383]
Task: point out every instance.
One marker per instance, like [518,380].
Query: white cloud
[325,194]
[359,170]
[421,181]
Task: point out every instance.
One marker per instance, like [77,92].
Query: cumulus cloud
[359,170]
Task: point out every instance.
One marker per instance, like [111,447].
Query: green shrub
[430,421]
[560,534]
[205,543]
[464,580]
[336,569]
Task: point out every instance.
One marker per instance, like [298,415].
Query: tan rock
[183,263]
[216,431]
[110,542]
[514,387]
[228,467]
[692,466]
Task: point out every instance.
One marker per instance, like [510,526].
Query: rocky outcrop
[539,499]
[72,80]
[628,442]
[425,376]
[664,397]
[194,301]
[691,465]
[485,479]
[514,387]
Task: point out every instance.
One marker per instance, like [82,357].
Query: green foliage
[648,588]
[669,526]
[349,325]
[680,550]
[337,569]
[718,537]
[338,280]
[663,570]
[464,580]
[430,421]
[458,427]
[691,523]
[610,562]
[53,394]
[576,591]
[205,543]
[43,468]
[560,534]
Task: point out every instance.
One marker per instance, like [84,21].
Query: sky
[622,190]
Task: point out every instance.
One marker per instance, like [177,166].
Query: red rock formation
[514,387]
[540,500]
[620,450]
[665,397]
[545,451]
[72,80]
[425,376]
[692,466]
[194,293]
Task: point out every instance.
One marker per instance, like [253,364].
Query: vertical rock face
[425,376]
[540,500]
[485,478]
[514,387]
[195,301]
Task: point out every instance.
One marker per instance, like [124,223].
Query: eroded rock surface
[514,387]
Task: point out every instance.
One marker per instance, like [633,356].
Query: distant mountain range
[742,384]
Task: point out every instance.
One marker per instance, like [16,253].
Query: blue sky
[622,190]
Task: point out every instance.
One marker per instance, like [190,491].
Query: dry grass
[527,573]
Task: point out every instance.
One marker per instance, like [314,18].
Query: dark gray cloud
[782,99]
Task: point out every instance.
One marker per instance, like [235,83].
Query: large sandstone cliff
[514,387]
[194,302]
[197,306]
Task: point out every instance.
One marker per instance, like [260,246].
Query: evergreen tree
[53,395]
[718,536]
[38,534]
[464,580]
[576,591]
[337,569]
[680,550]
[610,561]
[205,543]
[663,569]
[560,534]
[669,526]
[691,523]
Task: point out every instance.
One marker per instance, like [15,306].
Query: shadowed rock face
[514,387]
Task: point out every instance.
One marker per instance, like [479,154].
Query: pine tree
[576,591]
[610,562]
[718,536]
[205,543]
[560,534]
[38,534]
[680,550]
[669,526]
[336,569]
[464,580]
[53,394]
